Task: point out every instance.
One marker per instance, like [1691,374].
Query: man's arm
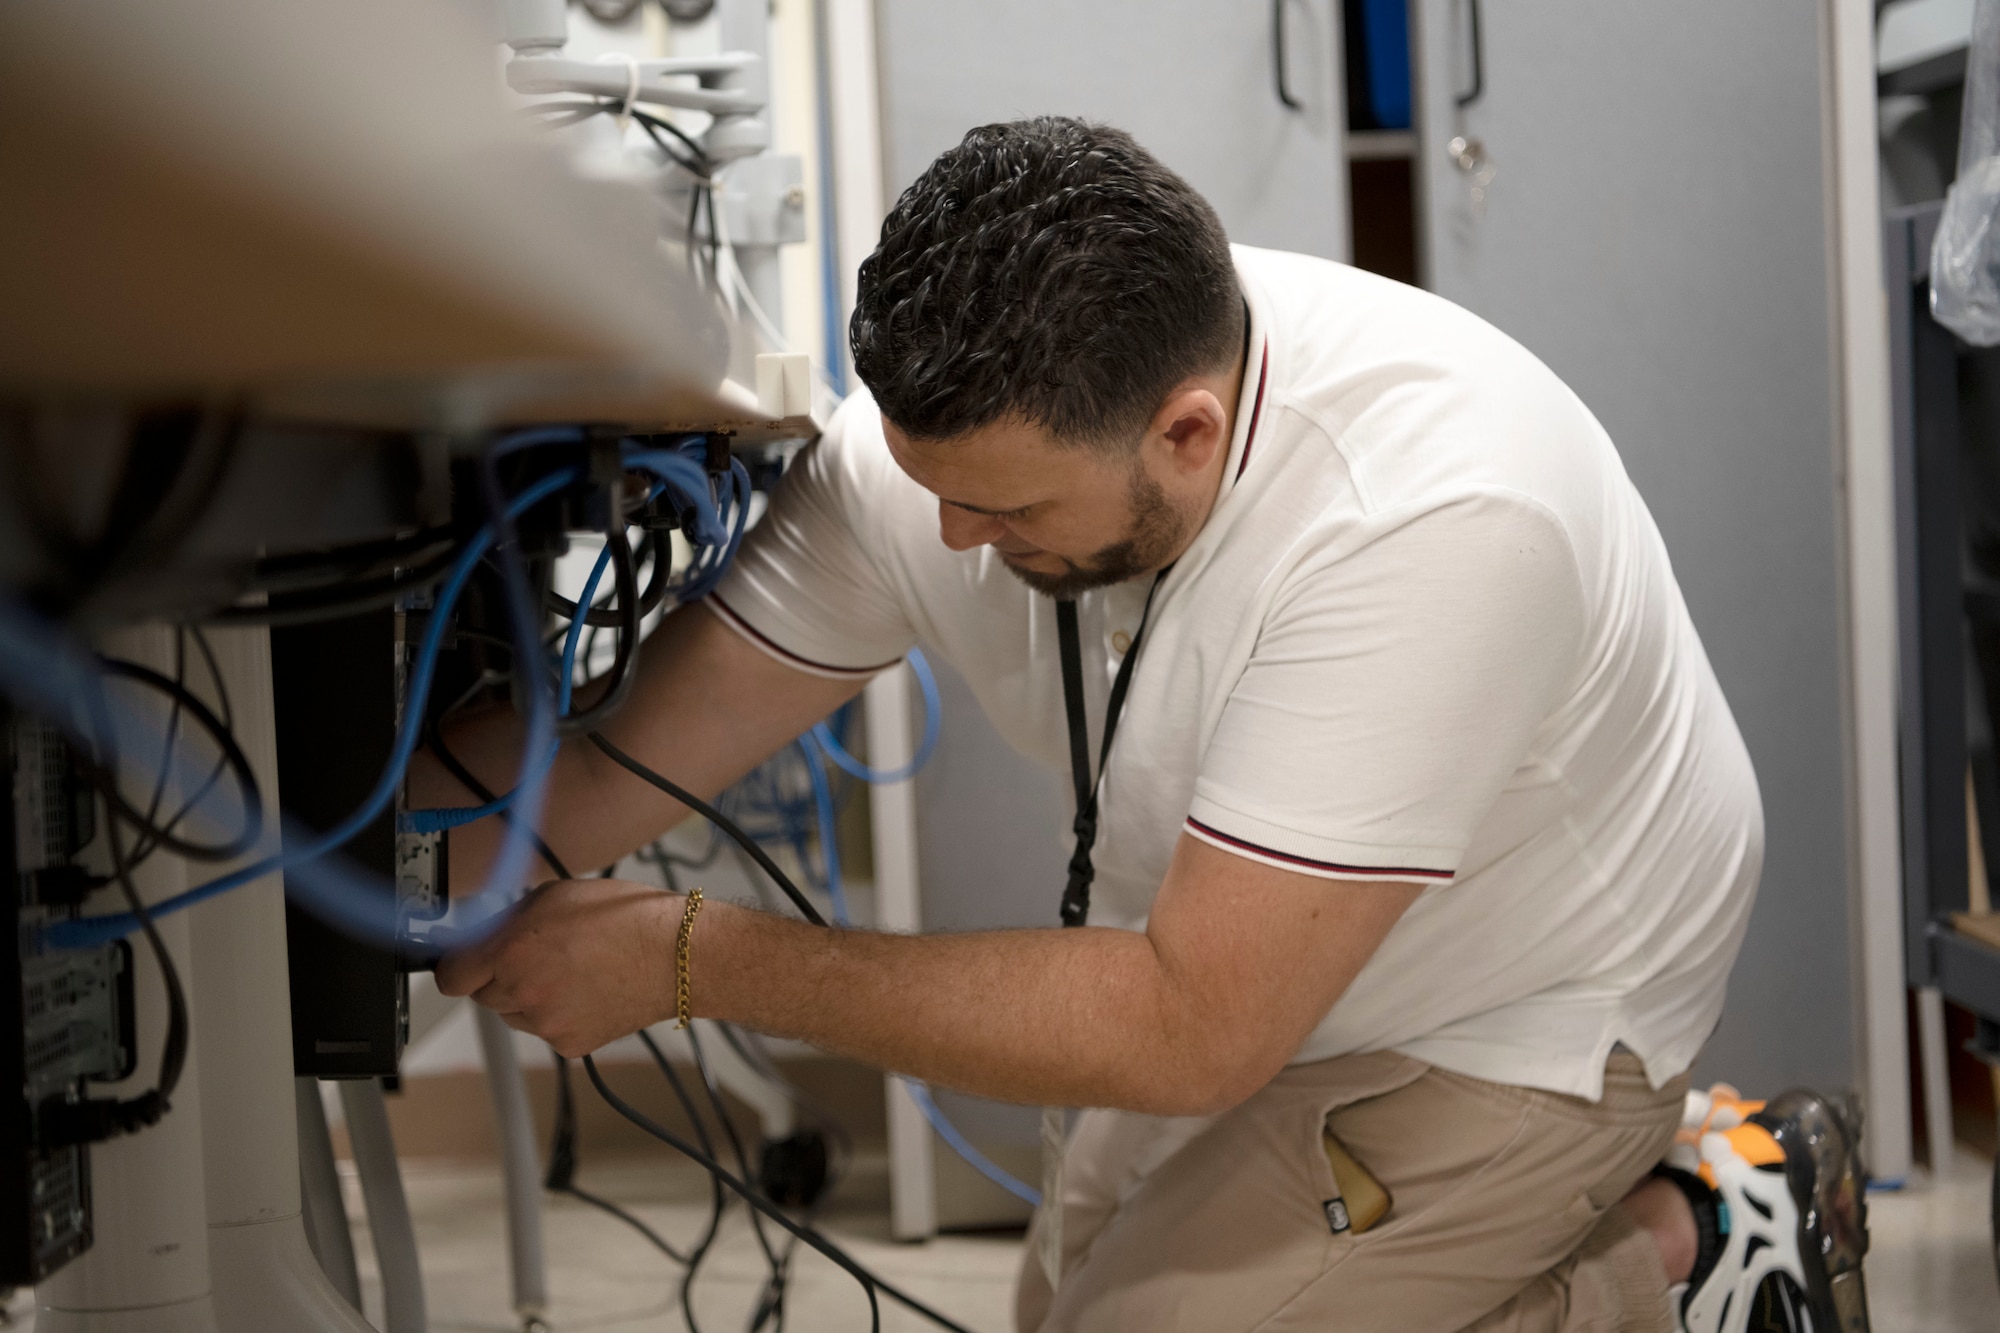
[1239,962]
[707,707]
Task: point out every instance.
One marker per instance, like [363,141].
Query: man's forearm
[706,707]
[1086,1017]
[1238,962]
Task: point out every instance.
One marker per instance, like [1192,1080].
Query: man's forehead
[996,469]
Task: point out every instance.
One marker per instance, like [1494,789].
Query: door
[1196,81]
[1654,228]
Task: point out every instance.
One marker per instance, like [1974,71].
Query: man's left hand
[580,962]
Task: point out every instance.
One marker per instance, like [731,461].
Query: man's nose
[962,530]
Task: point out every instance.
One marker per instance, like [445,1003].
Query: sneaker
[1721,1107]
[1788,1186]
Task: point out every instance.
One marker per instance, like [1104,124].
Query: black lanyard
[1076,894]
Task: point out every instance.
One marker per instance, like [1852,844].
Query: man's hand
[579,963]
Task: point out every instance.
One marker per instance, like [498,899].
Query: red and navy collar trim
[1256,411]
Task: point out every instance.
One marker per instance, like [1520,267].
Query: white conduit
[319,1189]
[388,1211]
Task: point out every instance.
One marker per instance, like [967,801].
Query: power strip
[66,1016]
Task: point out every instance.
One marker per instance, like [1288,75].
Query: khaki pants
[1501,1218]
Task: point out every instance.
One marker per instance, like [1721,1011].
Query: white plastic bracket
[784,384]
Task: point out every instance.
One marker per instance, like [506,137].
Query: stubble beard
[1157,530]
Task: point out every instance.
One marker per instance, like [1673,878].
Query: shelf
[1375,145]
[1932,74]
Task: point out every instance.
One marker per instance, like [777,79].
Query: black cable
[342,600]
[624,667]
[561,1177]
[341,564]
[706,1159]
[173,1052]
[232,754]
[214,676]
[661,544]
[707,1240]
[575,113]
[604,615]
[751,1050]
[772,1305]
[714,237]
[95,1119]
[721,1113]
[466,779]
[870,1283]
[504,644]
[697,169]
[651,122]
[182,633]
[704,1156]
[716,817]
[694,216]
[165,774]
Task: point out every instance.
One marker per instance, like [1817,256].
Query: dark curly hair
[1049,269]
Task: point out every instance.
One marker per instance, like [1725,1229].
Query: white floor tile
[1930,1258]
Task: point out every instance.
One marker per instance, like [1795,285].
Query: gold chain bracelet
[681,943]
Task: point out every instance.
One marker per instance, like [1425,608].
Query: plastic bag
[1965,258]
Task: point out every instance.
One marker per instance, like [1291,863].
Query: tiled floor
[602,1275]
[1930,1260]
[1930,1271]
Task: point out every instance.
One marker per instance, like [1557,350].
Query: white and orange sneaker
[1778,1195]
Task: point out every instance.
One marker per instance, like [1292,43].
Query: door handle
[1472,24]
[1278,55]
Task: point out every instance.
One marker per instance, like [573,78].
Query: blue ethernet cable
[958,1143]
[829,842]
[88,932]
[688,479]
[830,856]
[438,819]
[824,737]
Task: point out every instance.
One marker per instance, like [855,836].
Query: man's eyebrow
[989,513]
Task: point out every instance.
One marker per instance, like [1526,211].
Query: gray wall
[990,824]
[1656,232]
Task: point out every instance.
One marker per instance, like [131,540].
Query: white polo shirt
[1429,633]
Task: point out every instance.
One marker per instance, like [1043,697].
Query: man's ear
[1191,429]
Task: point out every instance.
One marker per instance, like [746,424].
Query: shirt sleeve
[1393,691]
[805,587]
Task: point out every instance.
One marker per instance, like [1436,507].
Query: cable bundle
[40,667]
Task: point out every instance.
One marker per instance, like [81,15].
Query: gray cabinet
[1655,230]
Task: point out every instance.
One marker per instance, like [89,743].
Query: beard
[1157,531]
